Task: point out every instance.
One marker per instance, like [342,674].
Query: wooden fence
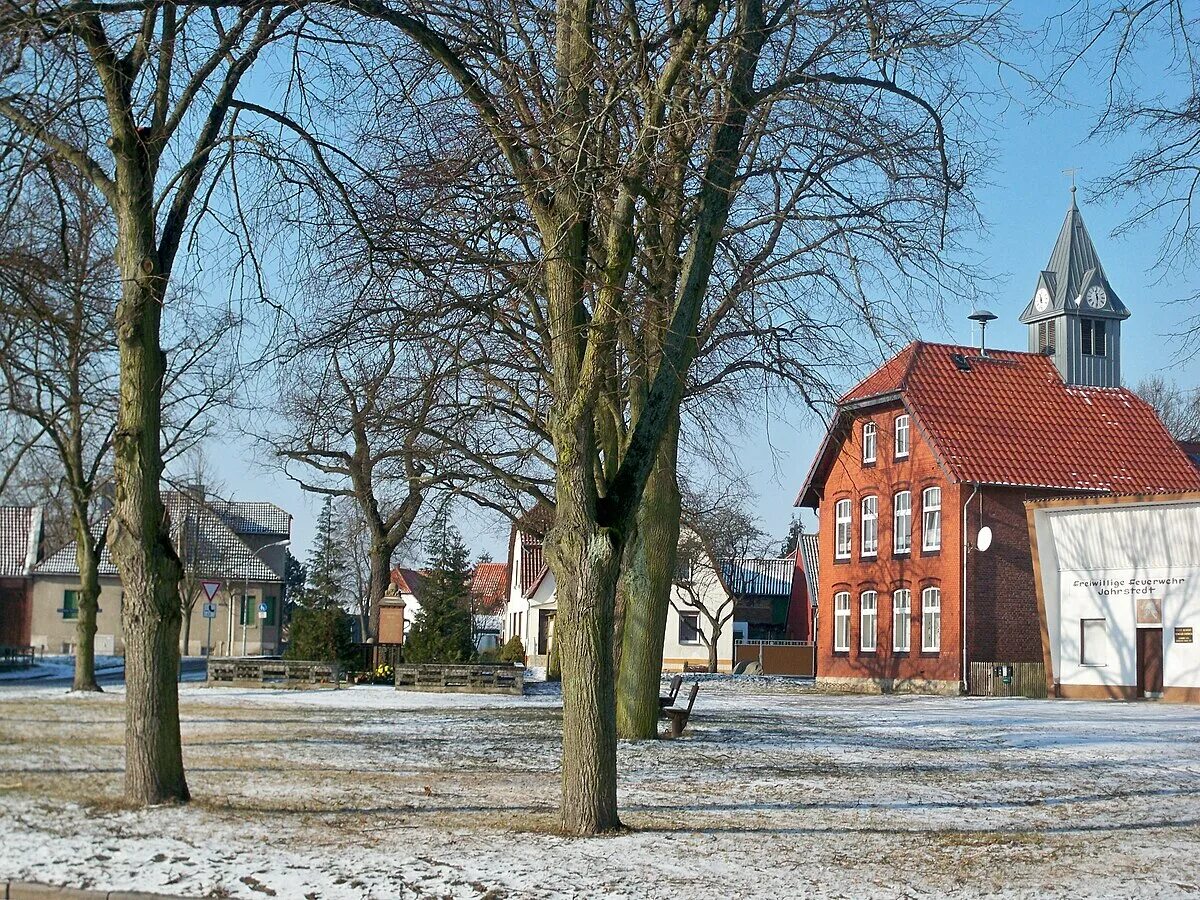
[778,657]
[273,673]
[993,679]
[500,678]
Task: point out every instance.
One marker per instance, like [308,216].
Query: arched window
[901,620]
[870,526]
[868,609]
[902,522]
[841,621]
[869,439]
[901,436]
[931,522]
[931,620]
[842,529]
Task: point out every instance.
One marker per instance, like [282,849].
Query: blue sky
[1023,198]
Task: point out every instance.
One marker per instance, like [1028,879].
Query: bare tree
[604,115]
[368,418]
[139,98]
[1178,408]
[1145,57]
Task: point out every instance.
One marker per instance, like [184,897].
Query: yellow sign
[1183,635]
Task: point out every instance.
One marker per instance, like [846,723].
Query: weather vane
[1071,173]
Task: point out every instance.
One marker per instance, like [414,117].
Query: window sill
[935,551]
[901,554]
[930,654]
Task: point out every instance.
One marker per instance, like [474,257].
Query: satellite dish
[985,538]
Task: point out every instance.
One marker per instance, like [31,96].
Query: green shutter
[270,601]
[70,607]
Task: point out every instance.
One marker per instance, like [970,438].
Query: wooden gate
[992,679]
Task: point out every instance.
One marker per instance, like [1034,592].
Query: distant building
[239,545]
[1118,582]
[532,605]
[20,544]
[943,442]
[489,596]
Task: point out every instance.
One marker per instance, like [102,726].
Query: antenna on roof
[983,316]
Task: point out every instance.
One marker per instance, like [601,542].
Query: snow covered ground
[776,791]
[58,667]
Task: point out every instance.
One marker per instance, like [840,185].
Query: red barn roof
[1009,419]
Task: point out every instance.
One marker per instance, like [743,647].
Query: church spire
[1074,314]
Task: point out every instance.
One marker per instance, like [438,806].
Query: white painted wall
[1096,561]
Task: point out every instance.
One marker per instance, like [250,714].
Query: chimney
[983,316]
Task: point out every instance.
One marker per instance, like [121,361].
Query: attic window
[960,362]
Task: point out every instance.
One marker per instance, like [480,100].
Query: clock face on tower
[1041,300]
[1097,297]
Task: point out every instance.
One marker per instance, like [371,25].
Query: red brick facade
[888,571]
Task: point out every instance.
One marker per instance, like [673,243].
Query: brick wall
[850,478]
[1002,614]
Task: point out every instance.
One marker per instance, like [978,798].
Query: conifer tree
[442,629]
[327,566]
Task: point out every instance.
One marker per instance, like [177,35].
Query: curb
[28,890]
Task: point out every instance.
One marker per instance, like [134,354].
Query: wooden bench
[679,715]
[665,700]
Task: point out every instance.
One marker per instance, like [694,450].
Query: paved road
[194,668]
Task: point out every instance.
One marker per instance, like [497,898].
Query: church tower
[1075,316]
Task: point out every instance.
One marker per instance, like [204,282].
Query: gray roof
[746,576]
[20,535]
[208,539]
[809,548]
[1073,268]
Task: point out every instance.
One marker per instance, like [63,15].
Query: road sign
[210,588]
[262,610]
[210,610]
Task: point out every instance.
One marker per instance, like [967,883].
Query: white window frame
[1088,657]
[843,531]
[931,620]
[903,427]
[870,442]
[901,620]
[931,519]
[870,526]
[902,522]
[868,620]
[841,622]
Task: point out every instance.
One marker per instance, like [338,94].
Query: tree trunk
[380,557]
[585,559]
[89,601]
[712,648]
[646,582]
[186,611]
[138,534]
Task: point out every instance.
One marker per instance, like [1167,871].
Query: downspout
[963,620]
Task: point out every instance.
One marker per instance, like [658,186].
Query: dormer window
[868,442]
[1093,337]
[901,436]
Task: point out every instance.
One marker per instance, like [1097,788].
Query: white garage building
[1118,584]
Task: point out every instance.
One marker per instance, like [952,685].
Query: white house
[529,613]
[1118,585]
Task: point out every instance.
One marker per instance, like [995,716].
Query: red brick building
[939,443]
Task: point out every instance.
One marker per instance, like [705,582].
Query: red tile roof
[408,581]
[1009,419]
[489,586]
